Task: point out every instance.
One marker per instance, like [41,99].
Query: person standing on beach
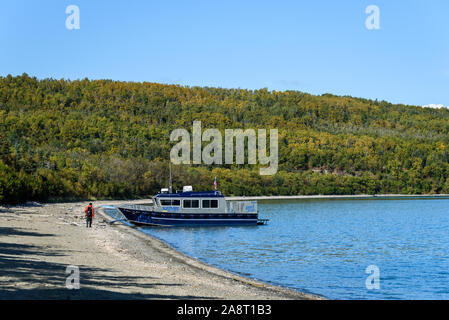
[89,213]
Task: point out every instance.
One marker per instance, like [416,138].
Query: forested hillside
[63,139]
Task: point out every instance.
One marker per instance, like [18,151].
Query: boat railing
[242,206]
[137,207]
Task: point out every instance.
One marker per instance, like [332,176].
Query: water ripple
[325,246]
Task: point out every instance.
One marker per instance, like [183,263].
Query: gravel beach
[39,241]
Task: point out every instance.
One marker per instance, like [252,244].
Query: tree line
[91,139]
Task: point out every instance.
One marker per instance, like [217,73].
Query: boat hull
[143,217]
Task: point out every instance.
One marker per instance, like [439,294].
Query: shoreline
[215,270]
[392,196]
[343,197]
[38,242]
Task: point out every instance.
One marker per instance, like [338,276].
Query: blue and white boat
[188,208]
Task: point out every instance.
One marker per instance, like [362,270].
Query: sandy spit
[39,241]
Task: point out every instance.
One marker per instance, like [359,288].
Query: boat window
[169,202]
[165,202]
[210,203]
[191,203]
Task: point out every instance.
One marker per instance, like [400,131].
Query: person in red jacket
[89,213]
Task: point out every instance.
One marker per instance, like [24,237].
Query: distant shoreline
[148,200]
[342,197]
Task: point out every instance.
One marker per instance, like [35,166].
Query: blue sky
[312,46]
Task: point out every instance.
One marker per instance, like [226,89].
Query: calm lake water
[325,246]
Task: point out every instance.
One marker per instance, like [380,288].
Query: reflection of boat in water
[188,208]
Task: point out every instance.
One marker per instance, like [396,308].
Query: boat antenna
[169,183]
